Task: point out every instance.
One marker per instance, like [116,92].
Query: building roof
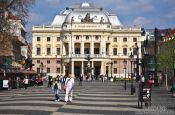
[78,12]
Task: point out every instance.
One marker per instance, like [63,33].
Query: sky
[145,13]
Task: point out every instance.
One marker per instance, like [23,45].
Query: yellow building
[79,31]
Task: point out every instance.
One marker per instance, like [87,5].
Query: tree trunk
[166,80]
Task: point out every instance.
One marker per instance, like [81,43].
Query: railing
[85,56]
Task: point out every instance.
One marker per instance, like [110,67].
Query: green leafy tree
[166,56]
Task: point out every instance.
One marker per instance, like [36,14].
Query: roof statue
[101,20]
[72,19]
[87,18]
[85,13]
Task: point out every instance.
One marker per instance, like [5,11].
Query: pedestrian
[56,87]
[26,82]
[80,80]
[49,81]
[69,85]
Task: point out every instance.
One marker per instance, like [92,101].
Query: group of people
[68,88]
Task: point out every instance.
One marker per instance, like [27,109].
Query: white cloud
[52,3]
[125,7]
[141,21]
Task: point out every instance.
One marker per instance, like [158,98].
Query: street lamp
[131,60]
[41,72]
[137,62]
[124,63]
[88,64]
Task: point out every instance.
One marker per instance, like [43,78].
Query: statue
[101,21]
[72,19]
[87,18]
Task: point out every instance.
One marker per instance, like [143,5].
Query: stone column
[64,69]
[73,48]
[102,68]
[82,48]
[92,67]
[92,48]
[72,69]
[82,67]
[70,48]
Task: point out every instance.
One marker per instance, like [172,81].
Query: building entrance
[97,72]
[77,71]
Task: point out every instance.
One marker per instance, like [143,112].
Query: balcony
[82,56]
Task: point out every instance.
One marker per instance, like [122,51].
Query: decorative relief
[87,18]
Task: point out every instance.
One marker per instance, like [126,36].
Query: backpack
[55,86]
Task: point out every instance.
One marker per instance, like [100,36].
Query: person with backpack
[69,86]
[56,87]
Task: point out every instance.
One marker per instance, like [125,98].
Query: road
[93,98]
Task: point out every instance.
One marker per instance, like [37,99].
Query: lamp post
[131,60]
[41,72]
[88,64]
[125,62]
[155,59]
[137,62]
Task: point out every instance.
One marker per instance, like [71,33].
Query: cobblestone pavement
[93,98]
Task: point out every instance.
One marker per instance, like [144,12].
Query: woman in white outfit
[69,83]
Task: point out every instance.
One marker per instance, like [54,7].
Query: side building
[82,31]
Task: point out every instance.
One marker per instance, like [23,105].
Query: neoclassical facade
[80,31]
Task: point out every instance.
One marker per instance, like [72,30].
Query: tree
[12,9]
[166,56]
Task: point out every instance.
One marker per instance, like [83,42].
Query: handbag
[64,88]
[65,85]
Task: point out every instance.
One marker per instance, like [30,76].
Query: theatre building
[82,31]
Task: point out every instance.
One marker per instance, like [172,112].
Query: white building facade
[78,32]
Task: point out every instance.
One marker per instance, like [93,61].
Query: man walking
[69,85]
[80,80]
[26,82]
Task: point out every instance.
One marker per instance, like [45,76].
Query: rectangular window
[48,39]
[48,51]
[115,70]
[38,70]
[38,52]
[38,39]
[115,39]
[58,51]
[58,70]
[124,39]
[77,50]
[96,51]
[134,39]
[77,37]
[86,50]
[48,61]
[87,37]
[115,62]
[38,61]
[124,51]
[134,51]
[114,51]
[58,61]
[67,51]
[48,70]
[58,39]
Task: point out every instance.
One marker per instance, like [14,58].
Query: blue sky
[146,13]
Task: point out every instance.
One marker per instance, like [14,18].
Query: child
[56,88]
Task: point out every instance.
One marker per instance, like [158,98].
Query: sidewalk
[163,103]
